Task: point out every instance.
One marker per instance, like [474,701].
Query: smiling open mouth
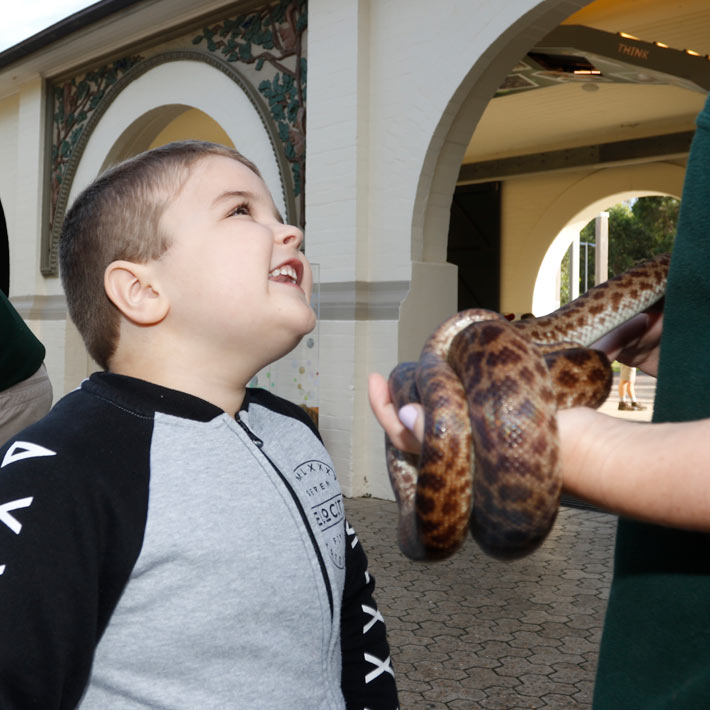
[286,273]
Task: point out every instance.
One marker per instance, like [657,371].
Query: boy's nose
[289,235]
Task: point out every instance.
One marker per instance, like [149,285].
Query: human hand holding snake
[515,377]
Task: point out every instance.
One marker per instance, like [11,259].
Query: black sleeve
[368,676]
[66,551]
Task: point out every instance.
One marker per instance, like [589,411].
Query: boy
[169,538]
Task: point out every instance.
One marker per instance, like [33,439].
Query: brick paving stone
[541,685]
[568,673]
[447,691]
[497,649]
[516,667]
[432,671]
[487,678]
[526,639]
[560,702]
[507,698]
[547,656]
[585,692]
[474,633]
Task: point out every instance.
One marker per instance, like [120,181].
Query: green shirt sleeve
[655,651]
[21,353]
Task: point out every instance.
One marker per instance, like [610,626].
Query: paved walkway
[473,633]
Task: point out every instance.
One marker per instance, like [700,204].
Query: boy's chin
[305,324]
[311,324]
[299,331]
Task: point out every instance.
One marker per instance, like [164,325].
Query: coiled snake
[490,390]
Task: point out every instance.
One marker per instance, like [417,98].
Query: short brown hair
[118,217]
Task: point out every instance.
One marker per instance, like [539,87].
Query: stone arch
[441,165]
[577,205]
[154,93]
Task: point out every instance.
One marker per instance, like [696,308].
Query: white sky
[24,18]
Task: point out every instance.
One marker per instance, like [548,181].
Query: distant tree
[637,231]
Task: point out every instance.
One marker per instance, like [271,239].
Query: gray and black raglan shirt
[156,552]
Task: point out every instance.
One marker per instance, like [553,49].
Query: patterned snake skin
[490,390]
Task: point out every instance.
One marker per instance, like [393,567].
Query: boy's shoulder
[279,405]
[80,437]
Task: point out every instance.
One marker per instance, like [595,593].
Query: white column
[574,269]
[601,257]
[337,228]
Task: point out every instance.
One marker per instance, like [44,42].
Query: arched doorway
[433,293]
[650,128]
[572,209]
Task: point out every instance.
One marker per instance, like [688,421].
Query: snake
[490,390]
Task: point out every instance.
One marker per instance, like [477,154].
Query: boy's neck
[212,387]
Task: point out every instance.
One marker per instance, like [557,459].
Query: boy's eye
[240,210]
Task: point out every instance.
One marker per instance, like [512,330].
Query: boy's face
[236,281]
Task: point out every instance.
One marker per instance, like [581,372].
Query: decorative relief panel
[73,103]
[263,51]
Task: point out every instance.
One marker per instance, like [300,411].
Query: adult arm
[636,342]
[657,473]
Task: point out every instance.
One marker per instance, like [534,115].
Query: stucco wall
[537,208]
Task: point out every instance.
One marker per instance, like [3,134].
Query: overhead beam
[670,146]
[655,56]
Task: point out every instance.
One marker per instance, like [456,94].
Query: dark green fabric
[21,353]
[655,650]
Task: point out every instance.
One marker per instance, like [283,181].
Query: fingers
[388,417]
[635,342]
[412,416]
[622,336]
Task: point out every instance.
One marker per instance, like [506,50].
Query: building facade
[365,117]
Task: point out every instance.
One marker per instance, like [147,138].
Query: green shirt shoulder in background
[21,353]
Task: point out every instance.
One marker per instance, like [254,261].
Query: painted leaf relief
[73,103]
[269,42]
[273,37]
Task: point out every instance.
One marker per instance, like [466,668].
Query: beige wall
[536,209]
[193,123]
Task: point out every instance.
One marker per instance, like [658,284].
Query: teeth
[285,270]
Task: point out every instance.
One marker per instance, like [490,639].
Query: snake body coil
[490,390]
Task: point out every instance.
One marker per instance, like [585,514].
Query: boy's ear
[132,288]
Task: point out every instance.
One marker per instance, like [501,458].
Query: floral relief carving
[272,37]
[73,103]
[266,46]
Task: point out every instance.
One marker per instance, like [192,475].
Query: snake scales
[490,390]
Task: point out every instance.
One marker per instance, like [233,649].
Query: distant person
[25,389]
[627,389]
